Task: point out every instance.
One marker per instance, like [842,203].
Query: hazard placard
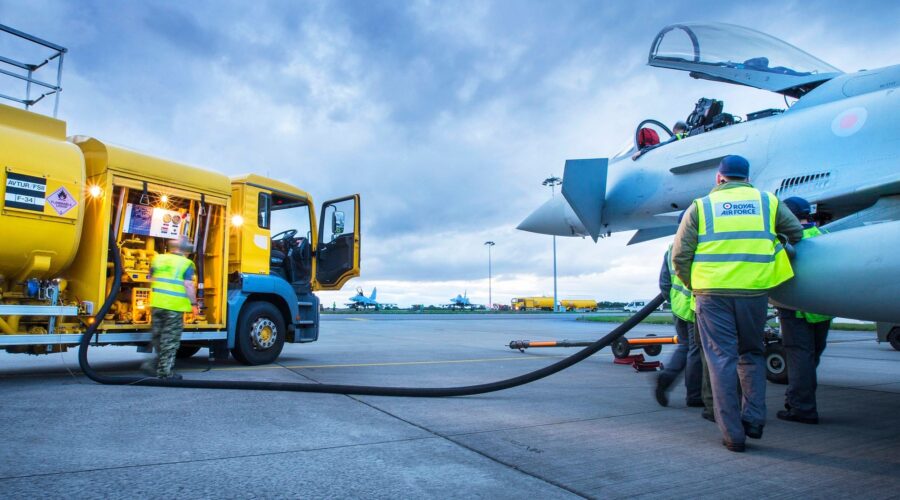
[62,201]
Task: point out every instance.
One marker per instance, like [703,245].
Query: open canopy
[734,54]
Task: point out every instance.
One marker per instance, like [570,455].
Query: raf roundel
[849,122]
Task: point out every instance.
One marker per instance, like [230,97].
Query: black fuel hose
[363,390]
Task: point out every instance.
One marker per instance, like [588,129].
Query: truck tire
[260,334]
[776,363]
[186,351]
[894,338]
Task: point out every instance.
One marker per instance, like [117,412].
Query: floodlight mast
[490,295]
[553,181]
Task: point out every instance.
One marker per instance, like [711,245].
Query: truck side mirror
[337,223]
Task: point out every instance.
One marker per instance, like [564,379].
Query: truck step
[305,304]
[305,322]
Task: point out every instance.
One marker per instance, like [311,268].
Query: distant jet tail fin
[374,291]
[584,187]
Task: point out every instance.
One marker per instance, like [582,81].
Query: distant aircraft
[461,302]
[836,145]
[360,301]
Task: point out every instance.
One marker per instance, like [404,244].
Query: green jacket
[686,241]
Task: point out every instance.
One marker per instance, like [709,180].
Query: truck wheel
[894,338]
[620,348]
[186,351]
[260,334]
[653,350]
[776,363]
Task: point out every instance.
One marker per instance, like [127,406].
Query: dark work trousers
[705,387]
[803,346]
[731,330]
[686,358]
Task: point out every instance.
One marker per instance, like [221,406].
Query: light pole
[490,296]
[553,181]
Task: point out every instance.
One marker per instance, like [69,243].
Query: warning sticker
[62,201]
[25,192]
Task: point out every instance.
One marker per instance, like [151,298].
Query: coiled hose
[363,390]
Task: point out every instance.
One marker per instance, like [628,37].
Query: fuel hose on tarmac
[363,390]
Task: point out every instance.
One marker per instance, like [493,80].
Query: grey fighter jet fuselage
[838,146]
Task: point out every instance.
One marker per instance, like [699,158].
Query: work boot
[171,376]
[708,415]
[661,391]
[793,417]
[695,404]
[754,431]
[735,447]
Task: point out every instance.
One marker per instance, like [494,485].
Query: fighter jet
[360,301]
[461,302]
[837,146]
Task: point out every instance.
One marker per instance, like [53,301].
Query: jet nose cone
[554,217]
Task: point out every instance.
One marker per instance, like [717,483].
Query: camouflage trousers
[167,326]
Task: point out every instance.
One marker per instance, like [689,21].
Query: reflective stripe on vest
[812,232]
[736,244]
[679,296]
[168,290]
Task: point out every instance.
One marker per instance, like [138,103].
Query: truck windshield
[285,216]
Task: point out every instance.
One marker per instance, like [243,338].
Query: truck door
[337,251]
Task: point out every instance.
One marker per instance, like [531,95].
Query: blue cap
[735,166]
[798,206]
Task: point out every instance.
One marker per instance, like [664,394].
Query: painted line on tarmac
[364,365]
[300,367]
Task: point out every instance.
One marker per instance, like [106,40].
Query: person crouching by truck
[804,335]
[173,293]
[686,357]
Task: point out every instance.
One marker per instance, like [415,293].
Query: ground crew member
[686,357]
[173,294]
[727,251]
[804,337]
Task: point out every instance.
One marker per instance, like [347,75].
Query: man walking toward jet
[727,251]
[686,357]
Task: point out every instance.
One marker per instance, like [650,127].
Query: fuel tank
[854,273]
[43,197]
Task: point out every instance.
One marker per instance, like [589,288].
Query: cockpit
[732,54]
[735,54]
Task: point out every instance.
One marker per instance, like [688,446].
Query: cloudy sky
[444,115]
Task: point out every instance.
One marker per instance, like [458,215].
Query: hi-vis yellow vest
[736,247]
[168,291]
[679,296]
[812,232]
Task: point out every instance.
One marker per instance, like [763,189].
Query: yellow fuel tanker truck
[68,203]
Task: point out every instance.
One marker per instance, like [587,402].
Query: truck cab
[278,256]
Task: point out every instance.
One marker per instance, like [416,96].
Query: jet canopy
[734,54]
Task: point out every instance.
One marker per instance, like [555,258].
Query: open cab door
[337,250]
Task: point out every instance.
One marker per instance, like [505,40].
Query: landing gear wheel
[894,338]
[776,363]
[620,348]
[260,334]
[186,351]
